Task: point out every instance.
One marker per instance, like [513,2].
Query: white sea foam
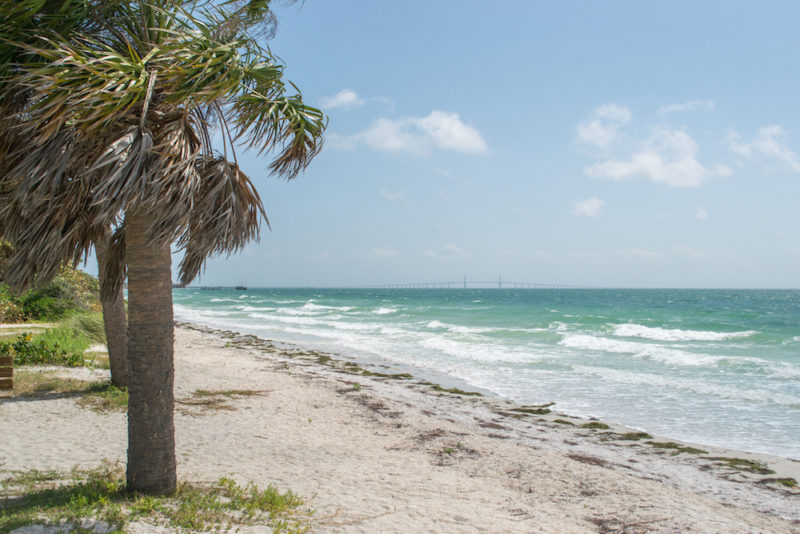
[639,350]
[665,334]
[310,306]
[701,387]
[459,329]
[478,352]
[384,311]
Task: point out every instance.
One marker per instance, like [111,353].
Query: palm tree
[24,20]
[121,122]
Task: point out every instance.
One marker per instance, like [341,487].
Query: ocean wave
[459,329]
[639,350]
[310,306]
[384,311]
[665,334]
[478,352]
[701,387]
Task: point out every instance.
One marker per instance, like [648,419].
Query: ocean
[716,367]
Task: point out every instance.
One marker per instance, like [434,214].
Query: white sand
[396,456]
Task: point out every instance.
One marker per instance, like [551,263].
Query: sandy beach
[394,454]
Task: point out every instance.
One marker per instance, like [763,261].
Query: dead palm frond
[124,119]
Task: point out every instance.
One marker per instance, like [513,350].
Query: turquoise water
[714,367]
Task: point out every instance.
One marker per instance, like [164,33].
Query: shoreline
[391,369]
[377,452]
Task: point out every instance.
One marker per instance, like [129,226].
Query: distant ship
[240,288]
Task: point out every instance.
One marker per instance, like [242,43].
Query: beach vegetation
[742,464]
[453,391]
[98,396]
[563,422]
[83,500]
[595,425]
[540,409]
[634,436]
[71,291]
[786,482]
[110,123]
[676,447]
[26,351]
[216,399]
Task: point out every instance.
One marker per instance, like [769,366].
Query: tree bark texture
[151,374]
[114,322]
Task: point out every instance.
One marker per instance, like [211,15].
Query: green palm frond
[122,119]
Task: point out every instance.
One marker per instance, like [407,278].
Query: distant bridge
[499,283]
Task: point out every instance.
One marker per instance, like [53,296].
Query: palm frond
[225,215]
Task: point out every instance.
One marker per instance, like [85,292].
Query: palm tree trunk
[151,428]
[114,320]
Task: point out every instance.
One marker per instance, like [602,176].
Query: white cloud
[643,254]
[770,141]
[701,214]
[384,252]
[602,128]
[688,106]
[454,250]
[588,208]
[393,195]
[668,157]
[692,253]
[419,135]
[346,98]
[447,251]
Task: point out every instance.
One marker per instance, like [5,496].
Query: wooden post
[6,376]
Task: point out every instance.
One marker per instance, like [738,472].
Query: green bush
[10,309]
[50,302]
[89,325]
[28,352]
[64,338]
[71,291]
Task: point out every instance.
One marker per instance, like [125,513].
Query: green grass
[65,338]
[52,498]
[99,396]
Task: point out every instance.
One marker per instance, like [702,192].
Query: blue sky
[624,144]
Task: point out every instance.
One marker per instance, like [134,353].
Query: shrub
[64,338]
[70,291]
[28,352]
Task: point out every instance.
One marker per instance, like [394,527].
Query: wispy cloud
[385,252]
[701,214]
[419,135]
[588,208]
[691,105]
[643,254]
[770,141]
[692,253]
[602,128]
[394,196]
[346,98]
[447,251]
[668,157]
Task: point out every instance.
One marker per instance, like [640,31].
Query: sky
[603,144]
